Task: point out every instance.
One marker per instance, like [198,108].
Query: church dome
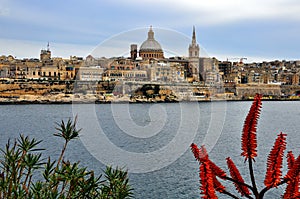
[150,43]
[151,48]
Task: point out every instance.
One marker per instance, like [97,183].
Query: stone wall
[249,90]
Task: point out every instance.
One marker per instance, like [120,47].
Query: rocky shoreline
[104,92]
[94,99]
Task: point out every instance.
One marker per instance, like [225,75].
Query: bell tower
[45,54]
[194,54]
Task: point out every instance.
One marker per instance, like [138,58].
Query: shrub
[22,162]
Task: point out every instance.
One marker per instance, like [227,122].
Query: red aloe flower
[207,181]
[294,171]
[200,154]
[217,171]
[235,174]
[293,175]
[274,163]
[208,172]
[290,159]
[217,185]
[292,189]
[249,142]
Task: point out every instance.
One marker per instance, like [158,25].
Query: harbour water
[173,174]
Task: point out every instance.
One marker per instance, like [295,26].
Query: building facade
[93,73]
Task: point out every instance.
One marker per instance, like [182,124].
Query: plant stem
[70,191]
[238,182]
[63,187]
[29,183]
[262,193]
[19,164]
[59,160]
[27,177]
[255,192]
[61,154]
[229,194]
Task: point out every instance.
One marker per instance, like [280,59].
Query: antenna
[48,46]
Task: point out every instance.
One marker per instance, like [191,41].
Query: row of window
[163,69]
[90,73]
[162,73]
[50,74]
[152,55]
[44,73]
[125,75]
[120,68]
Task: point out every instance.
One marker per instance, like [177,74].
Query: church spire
[194,54]
[194,49]
[194,36]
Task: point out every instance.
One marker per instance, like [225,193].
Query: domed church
[151,48]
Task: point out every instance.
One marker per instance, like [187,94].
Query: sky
[259,30]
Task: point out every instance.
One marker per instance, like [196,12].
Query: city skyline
[257,30]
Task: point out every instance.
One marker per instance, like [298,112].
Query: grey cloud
[4,11]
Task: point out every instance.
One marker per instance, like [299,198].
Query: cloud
[221,12]
[4,11]
[252,27]
[56,18]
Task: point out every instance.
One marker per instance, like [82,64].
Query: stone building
[125,75]
[167,72]
[122,64]
[249,90]
[295,79]
[206,64]
[133,51]
[93,73]
[45,56]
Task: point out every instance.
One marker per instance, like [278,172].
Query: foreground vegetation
[210,173]
[25,174]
